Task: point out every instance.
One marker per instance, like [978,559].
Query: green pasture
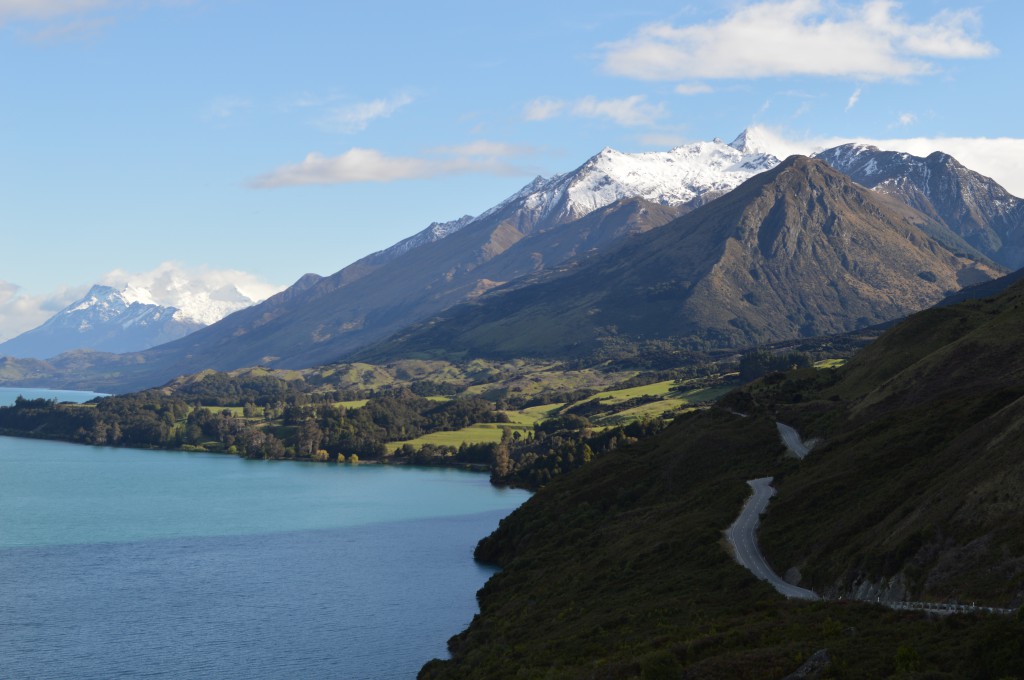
[481,433]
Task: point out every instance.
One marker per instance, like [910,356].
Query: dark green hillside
[920,486]
[619,570]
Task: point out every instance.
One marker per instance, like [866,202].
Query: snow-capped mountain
[974,207]
[551,223]
[689,175]
[129,318]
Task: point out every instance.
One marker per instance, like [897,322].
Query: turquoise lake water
[120,562]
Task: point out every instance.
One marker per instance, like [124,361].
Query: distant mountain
[800,250]
[544,225]
[539,227]
[973,206]
[127,319]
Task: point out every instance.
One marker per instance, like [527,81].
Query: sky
[264,140]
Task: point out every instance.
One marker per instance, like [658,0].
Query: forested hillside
[913,492]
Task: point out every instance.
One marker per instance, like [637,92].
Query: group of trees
[324,431]
[257,415]
[558,446]
[759,362]
[300,426]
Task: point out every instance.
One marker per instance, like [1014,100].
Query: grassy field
[533,415]
[236,411]
[481,433]
[652,390]
[669,406]
[524,420]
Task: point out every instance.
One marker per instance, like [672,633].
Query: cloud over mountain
[169,284]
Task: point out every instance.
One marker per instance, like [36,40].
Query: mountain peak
[972,206]
[751,141]
[797,251]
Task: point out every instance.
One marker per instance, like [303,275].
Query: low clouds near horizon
[1001,158]
[371,165]
[22,311]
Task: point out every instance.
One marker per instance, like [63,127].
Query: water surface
[165,564]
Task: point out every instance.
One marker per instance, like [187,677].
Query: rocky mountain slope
[800,250]
[973,206]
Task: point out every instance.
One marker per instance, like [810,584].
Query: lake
[120,562]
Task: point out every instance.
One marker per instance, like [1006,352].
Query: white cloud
[543,109]
[1001,158]
[20,311]
[169,282]
[370,165]
[693,88]
[47,12]
[869,41]
[357,117]
[907,119]
[854,98]
[630,112]
[35,10]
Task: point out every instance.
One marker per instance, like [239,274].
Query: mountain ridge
[327,317]
[974,207]
[793,252]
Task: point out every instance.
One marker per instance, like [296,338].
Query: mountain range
[975,207]
[627,248]
[130,317]
[800,250]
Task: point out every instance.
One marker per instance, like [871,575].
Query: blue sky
[278,138]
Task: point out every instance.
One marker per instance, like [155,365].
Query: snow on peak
[434,232]
[202,296]
[673,177]
[753,140]
[686,173]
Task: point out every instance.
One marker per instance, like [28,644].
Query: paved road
[742,536]
[791,438]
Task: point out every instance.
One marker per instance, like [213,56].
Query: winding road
[791,438]
[742,535]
